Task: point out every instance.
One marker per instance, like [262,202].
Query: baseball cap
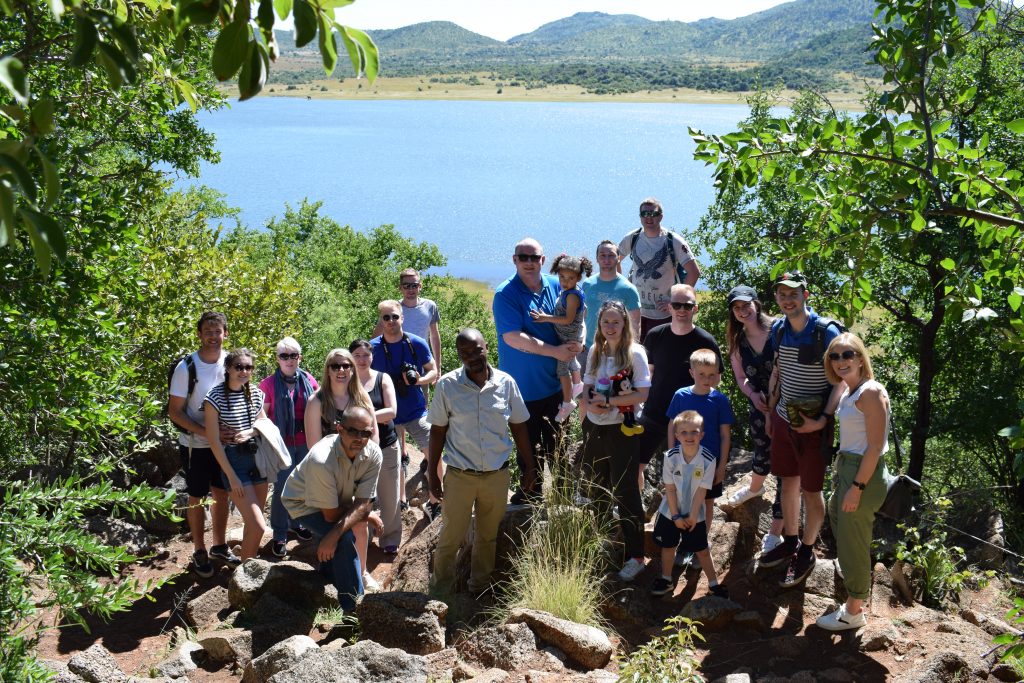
[741,293]
[792,279]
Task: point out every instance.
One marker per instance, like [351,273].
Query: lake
[471,177]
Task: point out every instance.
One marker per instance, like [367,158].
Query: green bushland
[670,658]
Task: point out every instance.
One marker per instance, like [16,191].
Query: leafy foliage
[1015,652]
[665,659]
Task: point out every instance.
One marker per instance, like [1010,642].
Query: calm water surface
[471,177]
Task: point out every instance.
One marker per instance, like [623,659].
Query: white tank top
[853,435]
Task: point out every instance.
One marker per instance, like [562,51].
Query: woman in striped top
[236,405]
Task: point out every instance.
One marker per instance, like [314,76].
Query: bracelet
[677,516]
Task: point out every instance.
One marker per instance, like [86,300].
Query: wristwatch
[859,485]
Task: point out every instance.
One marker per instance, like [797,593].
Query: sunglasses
[685,305]
[849,354]
[243,368]
[410,285]
[288,356]
[340,366]
[649,214]
[358,433]
[529,258]
[388,317]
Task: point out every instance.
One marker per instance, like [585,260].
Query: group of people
[623,350]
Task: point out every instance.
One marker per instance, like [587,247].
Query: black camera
[410,373]
[249,446]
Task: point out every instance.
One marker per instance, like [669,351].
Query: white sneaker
[631,569]
[577,389]
[769,542]
[370,584]
[565,410]
[841,620]
[743,495]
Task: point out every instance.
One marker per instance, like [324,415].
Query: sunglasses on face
[389,317]
[243,368]
[358,433]
[340,366]
[650,214]
[849,354]
[529,258]
[410,285]
[288,356]
[685,305]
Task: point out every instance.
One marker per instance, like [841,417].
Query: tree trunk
[926,376]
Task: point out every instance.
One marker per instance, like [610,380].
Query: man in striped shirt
[796,450]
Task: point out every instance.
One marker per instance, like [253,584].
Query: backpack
[190,366]
[820,326]
[678,270]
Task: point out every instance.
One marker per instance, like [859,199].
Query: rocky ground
[259,623]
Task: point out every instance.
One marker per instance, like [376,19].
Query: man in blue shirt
[529,351]
[608,284]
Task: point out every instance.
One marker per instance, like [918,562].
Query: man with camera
[407,359]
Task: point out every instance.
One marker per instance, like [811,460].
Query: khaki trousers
[853,529]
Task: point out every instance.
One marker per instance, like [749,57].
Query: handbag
[900,497]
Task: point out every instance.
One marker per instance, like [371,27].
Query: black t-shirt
[669,353]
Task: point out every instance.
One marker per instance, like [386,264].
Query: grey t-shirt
[417,318]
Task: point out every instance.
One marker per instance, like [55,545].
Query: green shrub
[665,659]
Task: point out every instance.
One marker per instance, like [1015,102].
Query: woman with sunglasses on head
[747,331]
[381,390]
[286,392]
[608,459]
[235,405]
[858,475]
[340,388]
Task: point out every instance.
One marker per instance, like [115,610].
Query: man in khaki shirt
[330,491]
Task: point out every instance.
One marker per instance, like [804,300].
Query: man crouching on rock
[331,490]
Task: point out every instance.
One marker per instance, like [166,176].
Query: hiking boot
[841,620]
[719,591]
[303,534]
[223,552]
[201,564]
[433,510]
[631,569]
[743,495]
[403,505]
[565,410]
[769,542]
[799,569]
[660,586]
[279,548]
[783,552]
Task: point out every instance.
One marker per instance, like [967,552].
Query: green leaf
[187,92]
[328,46]
[85,40]
[305,22]
[283,8]
[1014,300]
[42,116]
[201,12]
[50,176]
[265,15]
[918,223]
[1017,126]
[948,264]
[12,76]
[7,220]
[21,175]
[126,38]
[119,70]
[230,50]
[254,71]
[370,55]
[46,236]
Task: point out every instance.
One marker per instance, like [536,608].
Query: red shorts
[797,455]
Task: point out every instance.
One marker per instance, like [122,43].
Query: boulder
[586,645]
[511,535]
[723,540]
[96,665]
[364,662]
[227,645]
[410,570]
[410,621]
[445,665]
[630,605]
[274,620]
[277,658]
[884,598]
[750,514]
[879,634]
[208,609]
[166,456]
[824,579]
[181,661]
[749,619]
[734,678]
[711,611]
[490,676]
[61,673]
[943,667]
[293,582]
[116,532]
[1004,672]
[507,646]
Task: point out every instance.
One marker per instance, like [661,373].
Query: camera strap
[387,354]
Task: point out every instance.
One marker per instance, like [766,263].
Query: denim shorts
[244,465]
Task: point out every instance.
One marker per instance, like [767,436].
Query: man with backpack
[190,380]
[801,423]
[661,258]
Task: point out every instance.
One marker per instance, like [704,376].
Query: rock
[410,570]
[364,662]
[227,645]
[586,645]
[788,646]
[989,625]
[948,627]
[274,620]
[630,605]
[712,611]
[749,514]
[878,635]
[446,665]
[884,598]
[943,667]
[512,531]
[96,665]
[464,672]
[555,653]
[902,582]
[117,532]
[1004,672]
[208,609]
[749,619]
[490,676]
[410,621]
[61,673]
[823,580]
[734,678]
[834,675]
[507,646]
[277,658]
[181,661]
[804,676]
[296,583]
[723,539]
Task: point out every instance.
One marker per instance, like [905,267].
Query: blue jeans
[280,522]
[343,569]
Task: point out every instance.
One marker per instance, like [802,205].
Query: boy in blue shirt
[714,407]
[688,473]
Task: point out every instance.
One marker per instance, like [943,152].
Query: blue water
[471,177]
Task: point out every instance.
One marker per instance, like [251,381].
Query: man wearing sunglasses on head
[530,351]
[332,490]
[661,258]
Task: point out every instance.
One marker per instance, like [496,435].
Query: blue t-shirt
[714,407]
[598,291]
[413,404]
[513,302]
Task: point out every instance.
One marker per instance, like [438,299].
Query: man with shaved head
[529,351]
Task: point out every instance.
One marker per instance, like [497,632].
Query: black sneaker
[433,510]
[783,552]
[403,505]
[279,548]
[660,586]
[799,569]
[303,534]
[201,564]
[720,591]
[223,552]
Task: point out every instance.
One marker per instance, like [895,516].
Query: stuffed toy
[622,384]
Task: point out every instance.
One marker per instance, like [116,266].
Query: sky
[504,19]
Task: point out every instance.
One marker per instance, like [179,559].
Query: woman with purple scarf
[287,392]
